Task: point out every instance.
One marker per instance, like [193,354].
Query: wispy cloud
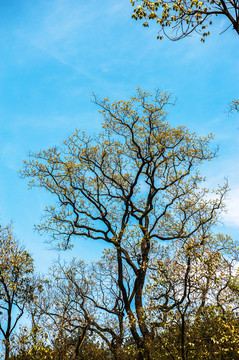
[65,30]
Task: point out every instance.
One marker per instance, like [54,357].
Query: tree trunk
[7,348]
[183,338]
[80,341]
[117,353]
[145,349]
[144,354]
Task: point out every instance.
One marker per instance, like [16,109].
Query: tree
[192,286]
[100,300]
[178,19]
[57,313]
[134,184]
[16,284]
[81,302]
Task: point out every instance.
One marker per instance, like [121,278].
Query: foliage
[31,345]
[216,334]
[177,19]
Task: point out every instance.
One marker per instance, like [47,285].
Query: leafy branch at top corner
[178,19]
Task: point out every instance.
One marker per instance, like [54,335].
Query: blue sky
[55,53]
